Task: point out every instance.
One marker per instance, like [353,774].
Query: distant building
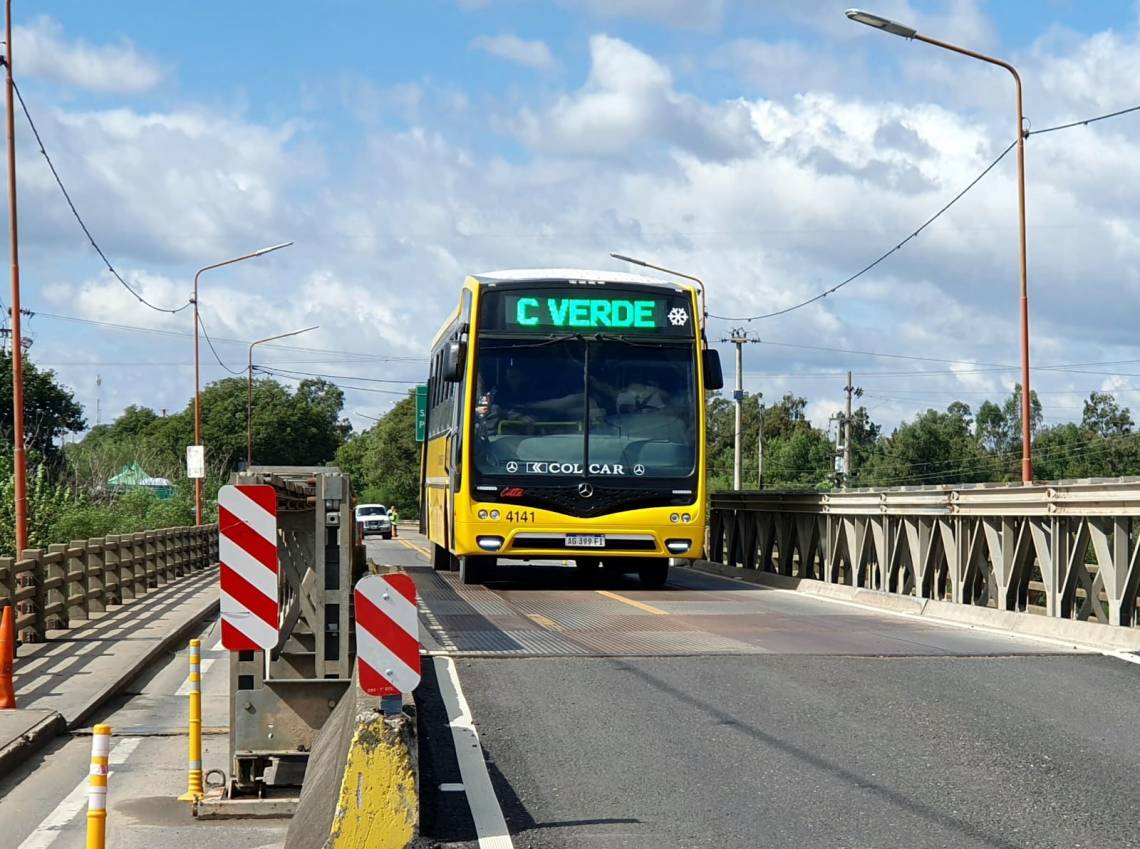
[132,476]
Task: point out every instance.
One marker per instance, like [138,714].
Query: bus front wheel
[473,569]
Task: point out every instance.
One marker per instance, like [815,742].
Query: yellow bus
[566,420]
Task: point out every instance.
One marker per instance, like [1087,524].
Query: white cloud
[686,14]
[41,50]
[532,54]
[628,99]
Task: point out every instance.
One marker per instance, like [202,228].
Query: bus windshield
[585,406]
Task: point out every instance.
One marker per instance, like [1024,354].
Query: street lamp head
[271,249]
[885,24]
[623,258]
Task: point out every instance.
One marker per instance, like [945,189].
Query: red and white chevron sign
[247,549]
[387,634]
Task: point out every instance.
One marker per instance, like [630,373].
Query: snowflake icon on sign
[677,316]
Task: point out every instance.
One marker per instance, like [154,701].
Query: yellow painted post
[97,788]
[194,790]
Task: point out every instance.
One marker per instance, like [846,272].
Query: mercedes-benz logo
[512,467]
[639,470]
[585,490]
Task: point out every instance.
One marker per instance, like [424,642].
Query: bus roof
[523,274]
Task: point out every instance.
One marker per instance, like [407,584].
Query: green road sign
[421,413]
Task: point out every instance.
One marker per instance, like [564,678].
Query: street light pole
[903,31]
[697,280]
[197,362]
[19,458]
[249,398]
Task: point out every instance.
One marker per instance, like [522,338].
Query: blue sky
[772,147]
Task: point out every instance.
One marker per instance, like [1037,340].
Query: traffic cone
[7,654]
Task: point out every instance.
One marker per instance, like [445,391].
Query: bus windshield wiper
[637,343]
[510,344]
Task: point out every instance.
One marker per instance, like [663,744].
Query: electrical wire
[214,350]
[358,357]
[79,218]
[330,377]
[881,258]
[1081,123]
[274,373]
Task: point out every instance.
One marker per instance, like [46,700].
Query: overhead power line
[1080,123]
[331,377]
[134,328]
[214,350]
[881,258]
[275,373]
[79,218]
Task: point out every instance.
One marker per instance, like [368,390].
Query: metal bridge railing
[1069,549]
[56,588]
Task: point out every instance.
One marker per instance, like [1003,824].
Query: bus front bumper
[681,541]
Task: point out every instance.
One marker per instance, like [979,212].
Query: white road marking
[452,788]
[490,826]
[48,831]
[203,666]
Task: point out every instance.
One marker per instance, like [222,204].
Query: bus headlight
[674,518]
[489,543]
[678,546]
[685,517]
[483,514]
[495,515]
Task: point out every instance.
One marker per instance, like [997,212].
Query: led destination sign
[573,311]
[582,312]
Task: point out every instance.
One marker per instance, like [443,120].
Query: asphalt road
[43,803]
[716,714]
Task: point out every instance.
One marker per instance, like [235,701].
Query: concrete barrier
[1083,635]
[361,788]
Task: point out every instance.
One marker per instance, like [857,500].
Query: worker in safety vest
[394,516]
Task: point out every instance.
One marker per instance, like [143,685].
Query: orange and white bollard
[194,789]
[97,788]
[7,656]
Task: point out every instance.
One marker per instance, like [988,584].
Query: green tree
[1104,417]
[384,461]
[50,410]
[935,448]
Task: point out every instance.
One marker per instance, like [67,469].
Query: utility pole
[738,339]
[851,390]
[760,445]
[848,389]
[19,461]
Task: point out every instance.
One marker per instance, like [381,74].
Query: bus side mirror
[453,362]
[714,377]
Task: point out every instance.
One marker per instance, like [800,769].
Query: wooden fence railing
[56,588]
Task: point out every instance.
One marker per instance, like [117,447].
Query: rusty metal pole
[197,407]
[198,482]
[895,28]
[19,459]
[249,389]
[1023,258]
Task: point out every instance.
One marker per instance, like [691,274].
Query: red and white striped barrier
[387,634]
[247,549]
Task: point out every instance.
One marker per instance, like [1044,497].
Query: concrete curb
[361,788]
[178,635]
[1085,635]
[39,733]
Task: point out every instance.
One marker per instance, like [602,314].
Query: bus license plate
[585,541]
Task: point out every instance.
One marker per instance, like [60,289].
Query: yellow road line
[640,605]
[414,547]
[544,621]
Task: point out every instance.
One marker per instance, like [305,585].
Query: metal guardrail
[1068,549]
[67,583]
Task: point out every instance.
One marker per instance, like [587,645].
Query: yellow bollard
[97,788]
[194,790]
